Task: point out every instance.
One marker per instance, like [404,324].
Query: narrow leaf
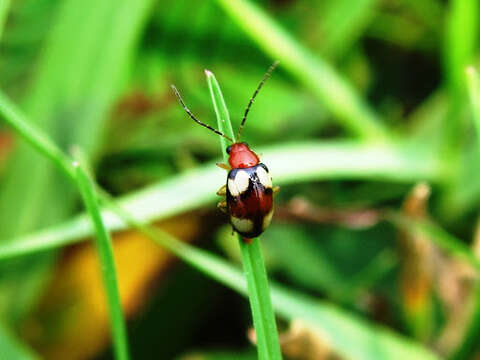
[104,247]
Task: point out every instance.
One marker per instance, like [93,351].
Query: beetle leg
[224,166]
[222,205]
[222,191]
[276,190]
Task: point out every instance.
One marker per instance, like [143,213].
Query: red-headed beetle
[249,190]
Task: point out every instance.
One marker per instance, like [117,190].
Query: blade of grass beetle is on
[252,259]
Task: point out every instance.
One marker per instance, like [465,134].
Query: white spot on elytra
[267,219]
[242,225]
[239,184]
[264,177]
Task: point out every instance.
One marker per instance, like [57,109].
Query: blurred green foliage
[370,98]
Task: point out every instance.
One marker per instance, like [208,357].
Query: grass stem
[103,244]
[252,259]
[43,144]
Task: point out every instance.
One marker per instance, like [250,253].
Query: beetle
[248,189]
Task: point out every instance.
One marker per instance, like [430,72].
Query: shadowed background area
[368,124]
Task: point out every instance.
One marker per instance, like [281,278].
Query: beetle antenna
[177,94]
[252,99]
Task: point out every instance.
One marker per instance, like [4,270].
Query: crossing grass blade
[69,94]
[44,145]
[252,259]
[103,243]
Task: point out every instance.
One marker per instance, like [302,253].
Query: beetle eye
[244,143]
[229,149]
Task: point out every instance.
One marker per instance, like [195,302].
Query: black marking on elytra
[252,171]
[232,173]
[253,185]
[249,170]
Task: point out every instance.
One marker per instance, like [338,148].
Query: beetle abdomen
[250,199]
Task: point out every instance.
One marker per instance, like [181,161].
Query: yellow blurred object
[72,321]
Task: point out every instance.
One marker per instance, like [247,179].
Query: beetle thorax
[241,156]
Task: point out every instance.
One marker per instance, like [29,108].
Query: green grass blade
[260,301]
[221,111]
[47,148]
[316,74]
[80,71]
[461,40]
[93,71]
[37,139]
[461,36]
[252,259]
[104,248]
